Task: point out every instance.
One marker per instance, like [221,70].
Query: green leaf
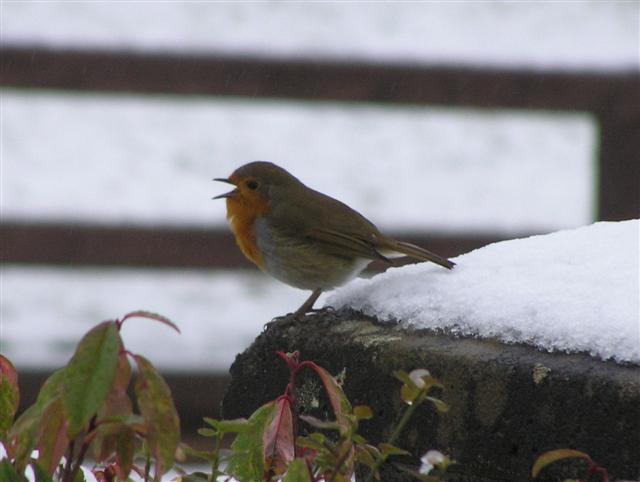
[409,393]
[207,432]
[297,472]
[208,456]
[441,406]
[315,440]
[363,412]
[116,414]
[52,437]
[156,406]
[7,472]
[89,375]
[150,316]
[553,456]
[365,457]
[41,474]
[50,391]
[9,399]
[229,426]
[387,449]
[246,462]
[193,477]
[125,451]
[321,424]
[80,476]
[118,402]
[23,433]
[403,376]
[9,395]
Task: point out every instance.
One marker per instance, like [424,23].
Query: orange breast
[242,215]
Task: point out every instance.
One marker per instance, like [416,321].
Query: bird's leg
[308,305]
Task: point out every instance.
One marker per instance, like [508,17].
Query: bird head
[255,185]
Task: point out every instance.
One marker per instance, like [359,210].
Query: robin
[302,237]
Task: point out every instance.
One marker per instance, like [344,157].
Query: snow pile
[574,291]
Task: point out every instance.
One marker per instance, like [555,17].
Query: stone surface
[509,403]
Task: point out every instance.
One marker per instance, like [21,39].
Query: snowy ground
[574,290]
[560,34]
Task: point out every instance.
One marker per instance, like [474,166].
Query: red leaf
[157,408]
[278,439]
[9,395]
[150,316]
[291,359]
[7,370]
[337,398]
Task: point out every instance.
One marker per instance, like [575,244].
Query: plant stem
[78,464]
[290,393]
[67,466]
[339,464]
[216,458]
[147,465]
[86,441]
[404,420]
[396,433]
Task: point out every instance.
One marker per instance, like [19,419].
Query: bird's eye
[253,185]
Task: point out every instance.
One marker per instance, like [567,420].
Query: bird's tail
[389,247]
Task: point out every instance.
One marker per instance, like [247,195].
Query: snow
[218,312]
[571,291]
[561,34]
[150,160]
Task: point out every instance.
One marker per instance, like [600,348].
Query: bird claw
[284,320]
[297,316]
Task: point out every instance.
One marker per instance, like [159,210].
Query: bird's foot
[284,320]
[305,310]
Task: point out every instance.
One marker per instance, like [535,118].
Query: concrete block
[509,403]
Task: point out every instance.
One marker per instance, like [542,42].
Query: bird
[302,237]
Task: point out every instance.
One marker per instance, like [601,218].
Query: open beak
[227,194]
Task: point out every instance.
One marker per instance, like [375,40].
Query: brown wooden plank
[310,79]
[77,245]
[82,245]
[619,153]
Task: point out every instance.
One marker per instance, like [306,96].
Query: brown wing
[345,244]
[336,228]
[386,244]
[328,223]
